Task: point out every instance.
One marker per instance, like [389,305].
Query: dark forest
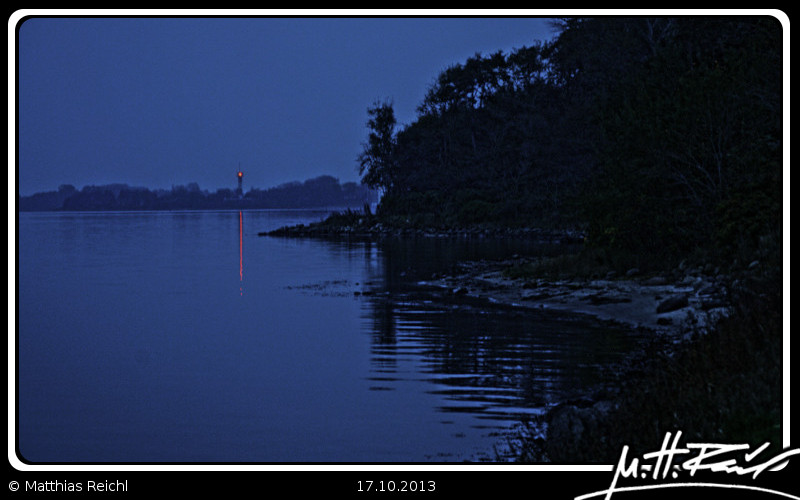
[658,137]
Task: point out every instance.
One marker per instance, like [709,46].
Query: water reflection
[496,363]
[335,356]
[241,266]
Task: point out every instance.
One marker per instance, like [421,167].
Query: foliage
[376,161]
[680,137]
[659,136]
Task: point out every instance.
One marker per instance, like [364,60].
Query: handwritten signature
[709,457]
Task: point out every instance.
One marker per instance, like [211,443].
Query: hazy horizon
[211,189]
[158,102]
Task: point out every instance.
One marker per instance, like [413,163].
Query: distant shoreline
[324,192]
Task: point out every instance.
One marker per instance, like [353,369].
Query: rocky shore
[674,307]
[368,227]
[673,304]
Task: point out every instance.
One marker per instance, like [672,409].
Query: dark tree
[376,162]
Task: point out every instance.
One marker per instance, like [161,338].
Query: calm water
[186,337]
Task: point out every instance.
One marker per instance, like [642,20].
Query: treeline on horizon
[319,192]
[656,136]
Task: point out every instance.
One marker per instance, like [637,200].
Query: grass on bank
[724,386]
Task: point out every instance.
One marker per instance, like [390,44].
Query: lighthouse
[239,175]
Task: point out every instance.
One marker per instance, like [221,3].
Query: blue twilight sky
[154,102]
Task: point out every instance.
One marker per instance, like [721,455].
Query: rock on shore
[665,306]
[366,227]
[674,308]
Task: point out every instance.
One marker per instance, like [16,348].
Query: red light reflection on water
[241,267]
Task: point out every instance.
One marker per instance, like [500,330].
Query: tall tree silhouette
[376,162]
